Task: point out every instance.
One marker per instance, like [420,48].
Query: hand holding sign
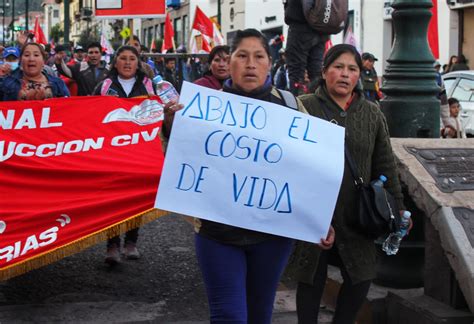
[170,110]
[252,164]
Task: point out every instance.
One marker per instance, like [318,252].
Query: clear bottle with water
[165,90]
[392,243]
[380,181]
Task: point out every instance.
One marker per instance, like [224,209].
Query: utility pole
[3,24]
[26,16]
[66,22]
[219,13]
[13,20]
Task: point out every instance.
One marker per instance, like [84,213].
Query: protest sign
[252,164]
[74,171]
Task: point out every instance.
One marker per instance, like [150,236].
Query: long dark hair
[113,71]
[333,54]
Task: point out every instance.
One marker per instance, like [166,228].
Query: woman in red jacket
[218,68]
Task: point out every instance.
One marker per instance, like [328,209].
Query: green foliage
[56,33]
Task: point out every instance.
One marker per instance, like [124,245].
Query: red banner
[121,9]
[74,171]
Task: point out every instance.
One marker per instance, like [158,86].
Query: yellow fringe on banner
[78,245]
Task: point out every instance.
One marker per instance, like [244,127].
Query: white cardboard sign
[252,164]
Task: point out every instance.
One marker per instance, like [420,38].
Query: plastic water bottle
[380,181]
[165,90]
[392,243]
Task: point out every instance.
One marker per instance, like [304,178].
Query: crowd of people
[241,268]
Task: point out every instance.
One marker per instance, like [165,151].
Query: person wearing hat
[370,81]
[11,59]
[79,54]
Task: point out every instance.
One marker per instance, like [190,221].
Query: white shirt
[127,84]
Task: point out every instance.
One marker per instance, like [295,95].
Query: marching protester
[370,80]
[88,73]
[147,68]
[169,73]
[125,80]
[337,99]
[31,82]
[218,68]
[11,58]
[241,268]
[453,126]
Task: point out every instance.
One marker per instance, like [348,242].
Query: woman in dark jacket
[241,268]
[30,82]
[218,68]
[337,99]
[125,80]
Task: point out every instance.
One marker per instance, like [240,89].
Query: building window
[178,31]
[56,13]
[186,30]
[162,30]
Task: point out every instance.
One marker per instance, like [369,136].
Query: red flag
[433,37]
[327,46]
[203,24]
[205,45]
[70,179]
[153,45]
[168,37]
[38,32]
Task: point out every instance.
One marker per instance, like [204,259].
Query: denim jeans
[241,281]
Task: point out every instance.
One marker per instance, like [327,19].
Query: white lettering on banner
[33,242]
[50,149]
[123,140]
[252,164]
[27,119]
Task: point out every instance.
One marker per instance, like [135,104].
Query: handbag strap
[350,161]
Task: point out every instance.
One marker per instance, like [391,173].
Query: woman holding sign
[30,82]
[241,268]
[125,80]
[339,100]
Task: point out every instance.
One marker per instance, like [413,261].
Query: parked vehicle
[460,85]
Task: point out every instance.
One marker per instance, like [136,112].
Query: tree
[56,33]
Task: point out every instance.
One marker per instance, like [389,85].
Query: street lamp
[412,109]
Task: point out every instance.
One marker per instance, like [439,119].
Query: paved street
[164,286]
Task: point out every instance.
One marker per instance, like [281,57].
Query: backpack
[326,16]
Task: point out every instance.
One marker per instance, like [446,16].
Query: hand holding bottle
[170,110]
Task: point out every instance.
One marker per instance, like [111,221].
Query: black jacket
[85,75]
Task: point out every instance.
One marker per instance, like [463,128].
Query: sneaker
[112,256]
[131,252]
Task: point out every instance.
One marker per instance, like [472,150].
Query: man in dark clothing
[304,48]
[370,81]
[88,73]
[170,73]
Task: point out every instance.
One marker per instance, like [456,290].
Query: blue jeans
[241,281]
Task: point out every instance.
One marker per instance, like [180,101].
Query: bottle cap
[383,178]
[157,79]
